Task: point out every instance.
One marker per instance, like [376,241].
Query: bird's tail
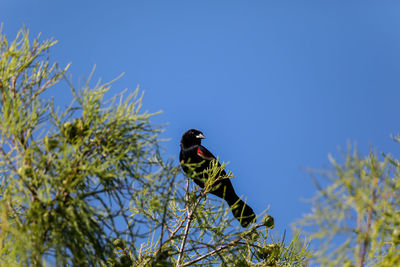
[242,212]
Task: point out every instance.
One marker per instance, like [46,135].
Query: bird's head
[192,137]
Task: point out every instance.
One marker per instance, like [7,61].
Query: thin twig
[173,233]
[232,243]
[15,214]
[208,246]
[210,253]
[165,212]
[189,219]
[365,242]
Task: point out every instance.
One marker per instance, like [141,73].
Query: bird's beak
[200,136]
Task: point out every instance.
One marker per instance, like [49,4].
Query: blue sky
[274,85]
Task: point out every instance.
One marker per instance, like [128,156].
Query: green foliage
[65,176]
[188,227]
[88,186]
[356,216]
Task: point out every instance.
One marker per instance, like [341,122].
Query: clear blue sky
[274,85]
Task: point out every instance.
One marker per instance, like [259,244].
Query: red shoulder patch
[202,155]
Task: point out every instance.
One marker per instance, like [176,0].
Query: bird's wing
[204,153]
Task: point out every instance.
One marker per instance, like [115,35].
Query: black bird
[193,152]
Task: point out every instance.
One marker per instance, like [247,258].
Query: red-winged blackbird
[193,152]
